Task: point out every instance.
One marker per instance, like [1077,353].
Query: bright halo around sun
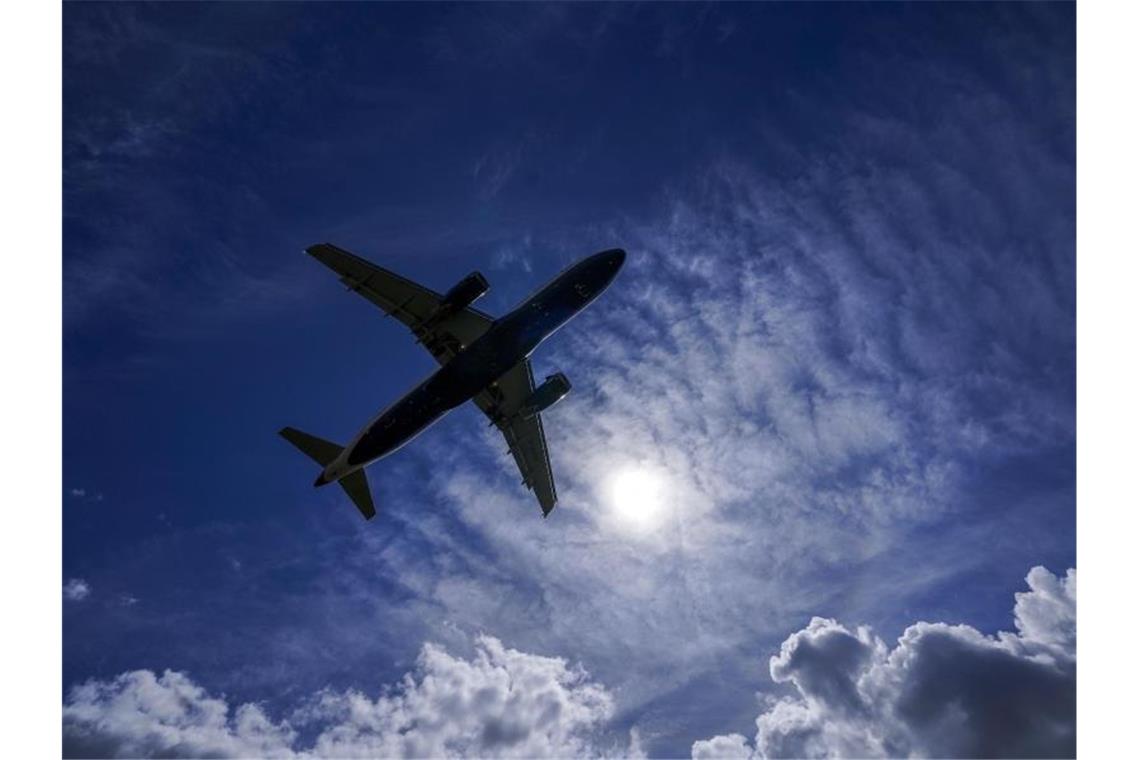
[637,497]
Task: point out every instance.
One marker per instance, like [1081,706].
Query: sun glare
[637,498]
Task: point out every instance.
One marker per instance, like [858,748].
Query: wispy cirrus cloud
[786,361]
[813,370]
[133,199]
[841,353]
[756,353]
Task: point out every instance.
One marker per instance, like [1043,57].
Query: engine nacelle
[553,390]
[465,292]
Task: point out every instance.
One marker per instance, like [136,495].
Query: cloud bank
[500,702]
[942,691]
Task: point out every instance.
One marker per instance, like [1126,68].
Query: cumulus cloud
[942,691]
[139,714]
[500,702]
[810,351]
[786,360]
[727,746]
[807,367]
[751,356]
[76,590]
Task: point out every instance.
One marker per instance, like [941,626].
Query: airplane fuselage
[507,342]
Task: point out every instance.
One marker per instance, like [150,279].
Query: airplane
[482,359]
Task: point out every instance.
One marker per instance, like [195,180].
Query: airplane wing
[501,402]
[408,302]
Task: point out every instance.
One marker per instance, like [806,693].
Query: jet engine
[552,390]
[465,293]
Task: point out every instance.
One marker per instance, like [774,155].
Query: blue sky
[843,346]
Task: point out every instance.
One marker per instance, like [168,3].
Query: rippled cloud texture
[834,381]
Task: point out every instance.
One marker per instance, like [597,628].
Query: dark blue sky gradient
[206,145]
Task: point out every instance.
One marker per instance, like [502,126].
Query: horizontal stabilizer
[317,449]
[356,486]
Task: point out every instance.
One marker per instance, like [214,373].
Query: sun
[637,498]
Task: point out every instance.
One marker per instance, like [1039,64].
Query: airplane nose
[321,480]
[611,259]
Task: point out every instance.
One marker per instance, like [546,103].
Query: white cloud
[802,360]
[943,691]
[723,358]
[727,746]
[800,353]
[500,702]
[754,353]
[139,714]
[76,590]
[1047,613]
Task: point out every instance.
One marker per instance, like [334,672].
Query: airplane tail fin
[322,452]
